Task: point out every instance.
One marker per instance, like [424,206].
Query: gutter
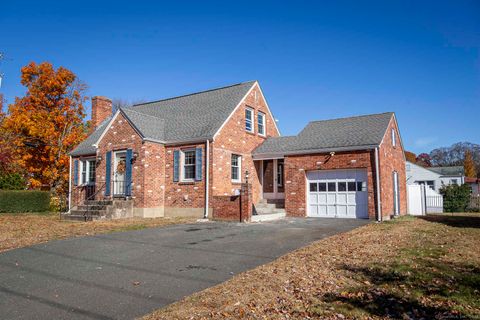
[70,185]
[377,182]
[207,185]
[280,155]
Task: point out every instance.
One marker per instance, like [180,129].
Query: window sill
[236,182]
[184,183]
[249,132]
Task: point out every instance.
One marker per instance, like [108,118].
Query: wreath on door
[121,166]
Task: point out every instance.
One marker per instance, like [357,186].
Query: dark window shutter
[176,165]
[128,172]
[108,164]
[198,164]
[75,172]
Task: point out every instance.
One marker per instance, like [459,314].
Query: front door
[119,173]
[272,179]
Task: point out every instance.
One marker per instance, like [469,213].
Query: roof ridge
[143,114]
[353,117]
[194,93]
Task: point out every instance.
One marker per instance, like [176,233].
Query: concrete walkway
[128,274]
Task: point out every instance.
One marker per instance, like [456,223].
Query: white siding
[416,173]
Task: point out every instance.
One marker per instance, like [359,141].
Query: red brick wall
[234,208]
[392,159]
[147,170]
[233,138]
[183,194]
[295,176]
[226,208]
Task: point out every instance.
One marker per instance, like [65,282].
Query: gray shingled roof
[190,117]
[330,135]
[86,147]
[448,171]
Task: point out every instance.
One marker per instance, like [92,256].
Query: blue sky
[314,60]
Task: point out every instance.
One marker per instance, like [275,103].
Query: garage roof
[351,133]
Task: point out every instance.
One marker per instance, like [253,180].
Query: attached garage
[337,193]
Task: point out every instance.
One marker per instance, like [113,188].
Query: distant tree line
[465,154]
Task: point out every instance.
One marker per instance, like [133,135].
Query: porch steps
[280,214]
[90,210]
[268,210]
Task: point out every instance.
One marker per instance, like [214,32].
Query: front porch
[271,205]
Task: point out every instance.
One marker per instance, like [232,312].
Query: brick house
[219,152]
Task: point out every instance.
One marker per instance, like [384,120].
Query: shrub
[24,201]
[12,181]
[456,198]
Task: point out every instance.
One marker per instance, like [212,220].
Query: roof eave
[270,155]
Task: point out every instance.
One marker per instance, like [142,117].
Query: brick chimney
[101,110]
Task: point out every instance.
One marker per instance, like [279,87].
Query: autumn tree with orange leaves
[46,124]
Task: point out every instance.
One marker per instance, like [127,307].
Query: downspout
[377,181]
[70,185]
[207,187]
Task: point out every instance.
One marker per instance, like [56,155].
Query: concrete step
[91,207]
[278,203]
[269,217]
[98,202]
[77,217]
[268,211]
[89,212]
[265,206]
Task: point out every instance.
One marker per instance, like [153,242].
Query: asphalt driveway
[128,274]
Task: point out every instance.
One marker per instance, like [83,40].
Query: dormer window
[249,120]
[394,138]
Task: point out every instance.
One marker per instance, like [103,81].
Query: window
[188,165]
[91,171]
[249,120]
[394,140]
[454,181]
[352,186]
[88,172]
[342,186]
[236,168]
[261,123]
[84,172]
[280,174]
[361,186]
[332,186]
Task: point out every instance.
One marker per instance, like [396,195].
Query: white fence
[423,200]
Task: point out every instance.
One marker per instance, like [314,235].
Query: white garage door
[337,193]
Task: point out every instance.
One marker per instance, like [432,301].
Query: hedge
[14,201]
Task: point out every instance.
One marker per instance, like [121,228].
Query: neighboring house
[174,157]
[474,184]
[434,177]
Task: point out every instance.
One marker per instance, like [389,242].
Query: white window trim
[85,162]
[252,119]
[239,168]
[263,123]
[182,165]
[394,138]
